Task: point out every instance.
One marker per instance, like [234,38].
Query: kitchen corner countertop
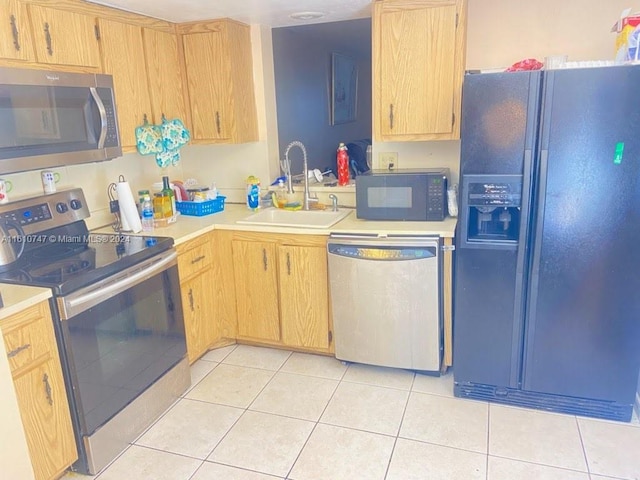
[18,297]
[189,227]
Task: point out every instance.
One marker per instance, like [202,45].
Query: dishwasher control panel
[382,252]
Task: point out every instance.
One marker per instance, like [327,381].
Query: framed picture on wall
[344,89]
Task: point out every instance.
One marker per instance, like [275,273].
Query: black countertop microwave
[409,194]
[51,119]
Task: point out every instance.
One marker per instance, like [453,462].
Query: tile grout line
[196,470]
[404,412]
[584,450]
[486,473]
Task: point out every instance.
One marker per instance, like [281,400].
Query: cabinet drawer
[195,258]
[27,337]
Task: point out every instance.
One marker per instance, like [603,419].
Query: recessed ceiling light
[307,15]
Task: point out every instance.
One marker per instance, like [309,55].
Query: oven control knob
[61,207]
[75,204]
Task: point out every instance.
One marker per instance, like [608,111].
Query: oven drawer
[194,257]
[27,337]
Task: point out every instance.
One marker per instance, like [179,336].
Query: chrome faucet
[307,198]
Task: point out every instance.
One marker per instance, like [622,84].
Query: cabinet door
[209,84]
[63,37]
[163,71]
[304,306]
[199,322]
[40,391]
[44,411]
[123,57]
[224,289]
[416,69]
[15,37]
[256,277]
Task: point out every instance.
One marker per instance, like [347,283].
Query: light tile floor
[257,414]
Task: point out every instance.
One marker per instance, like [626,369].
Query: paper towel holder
[114,207]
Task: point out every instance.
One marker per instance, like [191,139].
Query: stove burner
[63,269]
[58,251]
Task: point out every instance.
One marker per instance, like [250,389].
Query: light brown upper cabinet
[418,67]
[218,70]
[15,37]
[63,37]
[123,57]
[163,72]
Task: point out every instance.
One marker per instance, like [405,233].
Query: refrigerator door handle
[518,304]
[535,262]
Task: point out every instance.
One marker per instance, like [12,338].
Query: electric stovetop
[66,256]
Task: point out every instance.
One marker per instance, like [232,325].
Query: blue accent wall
[302,63]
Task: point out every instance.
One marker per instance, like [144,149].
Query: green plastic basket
[200,209]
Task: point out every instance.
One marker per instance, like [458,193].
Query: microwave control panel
[436,197]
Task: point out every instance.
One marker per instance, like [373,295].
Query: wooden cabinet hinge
[96,30]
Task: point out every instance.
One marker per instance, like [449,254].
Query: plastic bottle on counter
[343,165]
[253,193]
[212,194]
[147,214]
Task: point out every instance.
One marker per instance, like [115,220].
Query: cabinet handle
[14,33]
[47,36]
[47,388]
[264,258]
[198,259]
[16,351]
[391,116]
[288,264]
[191,299]
[218,122]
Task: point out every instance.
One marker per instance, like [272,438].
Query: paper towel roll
[128,210]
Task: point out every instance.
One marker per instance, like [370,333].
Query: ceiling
[274,13]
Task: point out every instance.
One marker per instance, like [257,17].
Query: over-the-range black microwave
[51,119]
[403,194]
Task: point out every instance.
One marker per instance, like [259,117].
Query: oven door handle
[73,305]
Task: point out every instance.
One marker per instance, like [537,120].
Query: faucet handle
[334,202]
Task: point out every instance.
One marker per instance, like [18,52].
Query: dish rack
[200,209]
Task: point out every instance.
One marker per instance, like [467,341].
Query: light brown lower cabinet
[194,267]
[42,399]
[281,289]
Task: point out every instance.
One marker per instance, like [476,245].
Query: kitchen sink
[295,218]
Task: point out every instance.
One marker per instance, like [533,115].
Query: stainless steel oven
[118,320]
[120,336]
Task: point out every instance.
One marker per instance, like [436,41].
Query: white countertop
[19,297]
[189,227]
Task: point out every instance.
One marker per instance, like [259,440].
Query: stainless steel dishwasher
[385,300]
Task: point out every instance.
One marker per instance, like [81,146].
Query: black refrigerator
[547,269]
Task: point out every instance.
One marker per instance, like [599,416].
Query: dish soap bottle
[253,193]
[343,165]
